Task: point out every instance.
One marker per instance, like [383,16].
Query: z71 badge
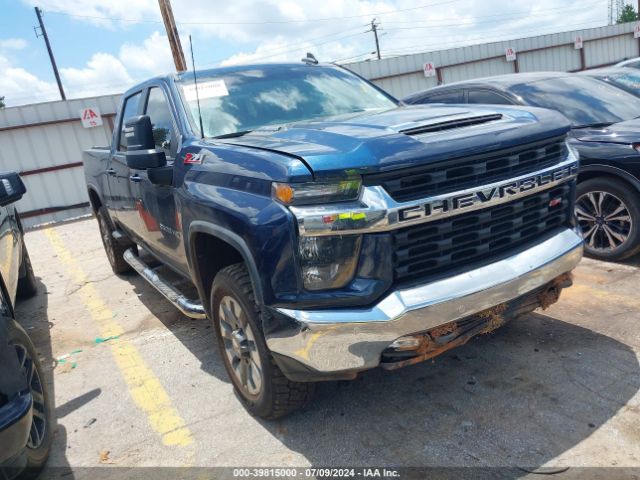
[193,159]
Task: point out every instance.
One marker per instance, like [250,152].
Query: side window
[130,110]
[450,96]
[160,115]
[487,97]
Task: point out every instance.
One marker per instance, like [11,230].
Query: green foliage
[1,102]
[628,14]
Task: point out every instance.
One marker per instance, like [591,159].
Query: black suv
[606,132]
[25,416]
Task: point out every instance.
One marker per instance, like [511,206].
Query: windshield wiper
[594,125]
[234,134]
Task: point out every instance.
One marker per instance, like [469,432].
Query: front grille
[444,247]
[460,173]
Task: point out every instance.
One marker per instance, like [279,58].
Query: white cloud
[13,44]
[103,74]
[19,86]
[153,57]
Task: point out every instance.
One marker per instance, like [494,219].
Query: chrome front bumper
[332,341]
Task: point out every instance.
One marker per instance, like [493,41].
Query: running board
[191,308]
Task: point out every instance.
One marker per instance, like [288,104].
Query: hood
[623,133]
[370,142]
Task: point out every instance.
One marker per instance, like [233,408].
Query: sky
[105,46]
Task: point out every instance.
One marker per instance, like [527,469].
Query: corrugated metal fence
[555,52]
[44,143]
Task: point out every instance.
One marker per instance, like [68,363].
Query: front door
[121,189]
[160,221]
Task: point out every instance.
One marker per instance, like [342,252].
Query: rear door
[121,190]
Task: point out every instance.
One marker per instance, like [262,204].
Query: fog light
[406,343]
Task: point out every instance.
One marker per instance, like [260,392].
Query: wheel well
[588,175]
[211,254]
[94,199]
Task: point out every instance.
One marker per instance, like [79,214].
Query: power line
[51,57]
[375,26]
[498,15]
[263,22]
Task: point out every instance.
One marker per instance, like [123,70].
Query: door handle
[112,172]
[135,178]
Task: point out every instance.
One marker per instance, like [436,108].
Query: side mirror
[11,188]
[141,146]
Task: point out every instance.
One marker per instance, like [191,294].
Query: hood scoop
[451,124]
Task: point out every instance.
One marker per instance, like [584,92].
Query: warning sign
[429,69]
[91,117]
[510,54]
[577,43]
[636,31]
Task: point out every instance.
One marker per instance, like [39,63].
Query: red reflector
[555,202]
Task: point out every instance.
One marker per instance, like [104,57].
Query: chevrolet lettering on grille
[487,196]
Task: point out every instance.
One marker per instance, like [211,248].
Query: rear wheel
[40,434]
[608,211]
[113,249]
[263,388]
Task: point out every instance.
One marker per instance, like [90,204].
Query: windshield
[248,99]
[583,100]
[629,80]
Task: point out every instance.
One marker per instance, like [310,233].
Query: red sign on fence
[91,117]
[511,55]
[429,69]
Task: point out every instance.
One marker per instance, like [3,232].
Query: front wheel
[608,211]
[263,388]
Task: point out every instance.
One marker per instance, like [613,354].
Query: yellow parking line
[144,386]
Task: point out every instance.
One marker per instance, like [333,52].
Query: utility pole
[172,34]
[374,29]
[46,41]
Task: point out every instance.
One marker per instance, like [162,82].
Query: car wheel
[114,250]
[27,283]
[41,432]
[608,212]
[263,388]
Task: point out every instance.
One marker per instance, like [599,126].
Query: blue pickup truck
[327,228]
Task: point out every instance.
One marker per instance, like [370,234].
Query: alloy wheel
[240,346]
[39,420]
[605,220]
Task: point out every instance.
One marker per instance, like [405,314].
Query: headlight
[328,262]
[315,192]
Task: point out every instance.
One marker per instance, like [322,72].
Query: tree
[1,102]
[628,14]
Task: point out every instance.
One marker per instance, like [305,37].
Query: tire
[114,250]
[27,284]
[608,212]
[274,395]
[41,434]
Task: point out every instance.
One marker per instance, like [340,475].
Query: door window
[449,96]
[130,110]
[161,121]
[487,97]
